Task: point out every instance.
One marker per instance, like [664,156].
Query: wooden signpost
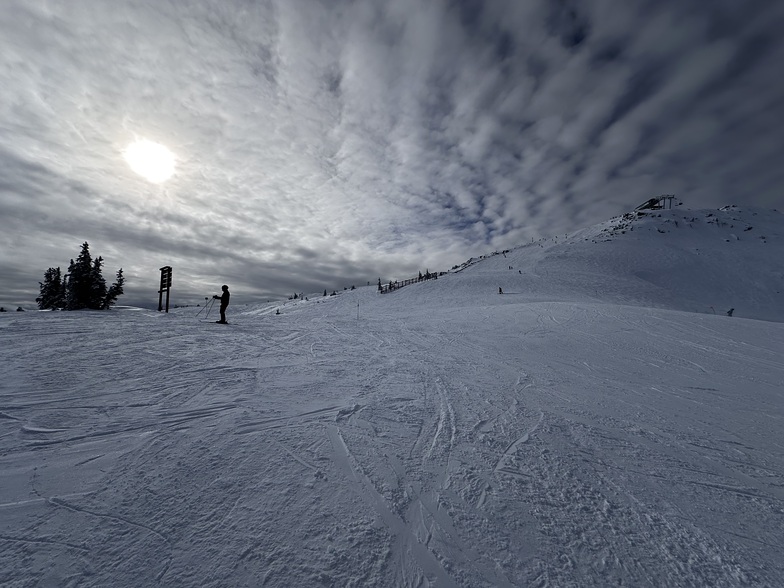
[166,280]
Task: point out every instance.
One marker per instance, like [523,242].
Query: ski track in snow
[446,438]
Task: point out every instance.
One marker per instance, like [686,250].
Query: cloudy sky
[327,143]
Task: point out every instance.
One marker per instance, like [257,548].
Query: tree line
[82,287]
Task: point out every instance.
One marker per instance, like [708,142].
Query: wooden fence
[396,285]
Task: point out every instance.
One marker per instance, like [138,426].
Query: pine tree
[97,285]
[82,287]
[68,299]
[80,280]
[51,290]
[63,292]
[115,290]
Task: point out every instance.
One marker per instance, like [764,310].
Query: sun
[150,160]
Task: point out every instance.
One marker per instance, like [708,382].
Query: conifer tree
[51,290]
[80,280]
[115,290]
[68,300]
[82,287]
[97,285]
[63,292]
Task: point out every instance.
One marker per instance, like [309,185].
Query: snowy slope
[595,425]
[694,260]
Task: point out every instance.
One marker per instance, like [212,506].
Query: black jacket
[224,298]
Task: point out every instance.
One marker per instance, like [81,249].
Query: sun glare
[150,160]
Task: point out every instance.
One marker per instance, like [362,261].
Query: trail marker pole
[166,281]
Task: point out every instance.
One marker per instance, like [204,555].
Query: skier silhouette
[224,302]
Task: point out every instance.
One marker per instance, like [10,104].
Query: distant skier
[500,291]
[224,302]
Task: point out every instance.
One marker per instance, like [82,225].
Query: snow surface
[603,422]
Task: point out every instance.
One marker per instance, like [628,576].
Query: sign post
[166,280]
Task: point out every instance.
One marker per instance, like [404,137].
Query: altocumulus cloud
[321,144]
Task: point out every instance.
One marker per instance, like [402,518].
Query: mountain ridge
[704,261]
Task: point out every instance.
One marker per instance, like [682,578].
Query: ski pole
[205,306]
[209,309]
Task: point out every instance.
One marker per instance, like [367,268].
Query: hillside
[595,425]
[705,261]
